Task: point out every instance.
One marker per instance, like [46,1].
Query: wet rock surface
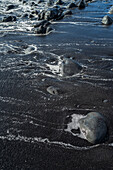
[94,127]
[107,20]
[70,67]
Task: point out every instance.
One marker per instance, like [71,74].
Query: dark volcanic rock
[93,127]
[25,15]
[107,20]
[59,2]
[40,1]
[35,12]
[50,2]
[81,5]
[111,10]
[41,15]
[9,7]
[52,14]
[70,67]
[42,22]
[9,19]
[43,30]
[67,12]
[48,29]
[31,16]
[71,5]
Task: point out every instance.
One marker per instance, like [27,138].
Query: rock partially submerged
[72,5]
[70,67]
[81,4]
[59,2]
[107,20]
[111,10]
[93,127]
[67,12]
[50,14]
[42,22]
[43,29]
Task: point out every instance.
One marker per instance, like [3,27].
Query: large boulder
[93,127]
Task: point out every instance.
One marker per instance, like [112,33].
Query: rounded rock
[93,127]
[107,20]
[70,67]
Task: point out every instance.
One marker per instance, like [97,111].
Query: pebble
[52,90]
[93,127]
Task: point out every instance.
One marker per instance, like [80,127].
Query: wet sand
[33,122]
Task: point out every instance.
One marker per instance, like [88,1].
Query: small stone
[93,127]
[70,67]
[52,90]
[105,101]
[72,5]
[107,20]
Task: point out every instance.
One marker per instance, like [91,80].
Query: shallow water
[30,63]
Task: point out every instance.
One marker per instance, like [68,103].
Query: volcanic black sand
[35,131]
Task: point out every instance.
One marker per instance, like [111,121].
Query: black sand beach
[35,129]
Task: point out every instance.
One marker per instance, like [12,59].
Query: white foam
[37,140]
